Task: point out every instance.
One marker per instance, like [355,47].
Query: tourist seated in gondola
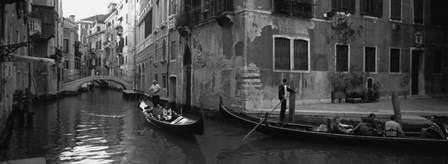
[393,128]
[361,128]
[374,125]
[167,114]
[434,131]
[158,112]
[337,127]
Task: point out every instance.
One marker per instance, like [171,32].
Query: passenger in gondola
[158,112]
[393,128]
[434,131]
[337,127]
[362,128]
[374,125]
[167,114]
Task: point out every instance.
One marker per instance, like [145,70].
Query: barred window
[394,60]
[342,58]
[291,54]
[370,59]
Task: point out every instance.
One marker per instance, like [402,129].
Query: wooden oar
[262,120]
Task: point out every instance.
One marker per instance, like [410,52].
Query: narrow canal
[101,127]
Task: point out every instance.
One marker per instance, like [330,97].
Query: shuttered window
[282,54]
[370,59]
[342,58]
[291,54]
[394,60]
[348,6]
[372,8]
[148,24]
[395,9]
[300,55]
[418,11]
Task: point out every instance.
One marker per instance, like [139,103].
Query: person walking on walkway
[282,94]
[154,90]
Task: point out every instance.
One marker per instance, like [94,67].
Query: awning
[33,59]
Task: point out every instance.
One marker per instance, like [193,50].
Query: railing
[197,14]
[295,8]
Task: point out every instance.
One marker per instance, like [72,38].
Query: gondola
[179,124]
[306,132]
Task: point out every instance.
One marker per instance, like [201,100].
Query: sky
[85,8]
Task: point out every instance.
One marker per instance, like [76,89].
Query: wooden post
[396,106]
[292,106]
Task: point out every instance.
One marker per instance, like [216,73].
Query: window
[394,64]
[163,51]
[126,18]
[303,9]
[164,84]
[348,6]
[126,40]
[173,50]
[342,58]
[395,9]
[173,7]
[98,28]
[369,59]
[66,64]
[148,24]
[291,54]
[156,78]
[66,45]
[437,62]
[372,8]
[418,11]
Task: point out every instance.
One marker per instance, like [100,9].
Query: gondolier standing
[154,90]
[282,94]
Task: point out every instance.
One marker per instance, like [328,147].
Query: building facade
[241,50]
[70,50]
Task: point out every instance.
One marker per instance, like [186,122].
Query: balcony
[294,8]
[197,13]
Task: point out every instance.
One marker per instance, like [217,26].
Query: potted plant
[356,80]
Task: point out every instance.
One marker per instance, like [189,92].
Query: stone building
[70,50]
[241,50]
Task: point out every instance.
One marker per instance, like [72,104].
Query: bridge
[73,86]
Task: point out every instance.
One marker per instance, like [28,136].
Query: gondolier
[282,94]
[154,90]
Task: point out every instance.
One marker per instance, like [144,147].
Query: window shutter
[363,7]
[352,6]
[379,8]
[334,6]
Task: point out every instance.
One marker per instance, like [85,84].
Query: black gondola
[301,131]
[180,124]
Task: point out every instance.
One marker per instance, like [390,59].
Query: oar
[262,120]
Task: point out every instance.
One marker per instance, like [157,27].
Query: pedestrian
[154,90]
[282,94]
[393,128]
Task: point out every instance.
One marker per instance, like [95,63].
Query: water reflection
[102,127]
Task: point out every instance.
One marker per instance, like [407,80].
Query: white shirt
[155,88]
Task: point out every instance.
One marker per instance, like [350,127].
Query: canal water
[102,127]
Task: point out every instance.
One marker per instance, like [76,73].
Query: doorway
[187,74]
[172,90]
[417,72]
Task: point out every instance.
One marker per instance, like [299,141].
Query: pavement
[413,110]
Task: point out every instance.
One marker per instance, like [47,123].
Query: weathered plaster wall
[217,56]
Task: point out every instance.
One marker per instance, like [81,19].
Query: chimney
[111,7]
[72,18]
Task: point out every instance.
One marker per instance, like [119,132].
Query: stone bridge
[73,86]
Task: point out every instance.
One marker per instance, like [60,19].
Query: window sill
[291,71]
[371,17]
[395,73]
[396,21]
